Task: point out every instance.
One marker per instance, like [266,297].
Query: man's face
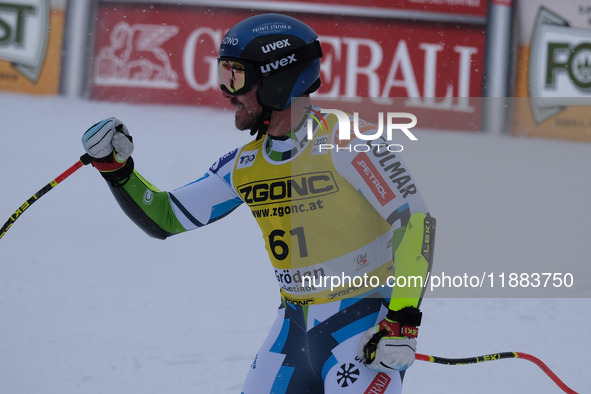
[247,107]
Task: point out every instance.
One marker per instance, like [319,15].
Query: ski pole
[497,356]
[84,160]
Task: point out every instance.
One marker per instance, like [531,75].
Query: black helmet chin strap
[263,122]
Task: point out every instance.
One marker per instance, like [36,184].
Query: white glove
[391,353]
[391,345]
[108,136]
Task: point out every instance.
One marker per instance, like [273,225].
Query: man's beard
[245,119]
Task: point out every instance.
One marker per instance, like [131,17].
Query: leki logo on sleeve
[24,32]
[373,135]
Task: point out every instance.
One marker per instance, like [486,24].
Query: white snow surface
[90,304]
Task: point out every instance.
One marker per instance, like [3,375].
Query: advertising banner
[471,8]
[31,35]
[167,54]
[554,70]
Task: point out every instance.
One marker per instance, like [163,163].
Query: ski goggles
[235,77]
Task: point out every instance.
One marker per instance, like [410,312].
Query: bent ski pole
[84,160]
[497,356]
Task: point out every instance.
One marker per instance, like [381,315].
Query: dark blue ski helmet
[281,51]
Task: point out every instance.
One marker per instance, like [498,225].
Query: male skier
[324,214]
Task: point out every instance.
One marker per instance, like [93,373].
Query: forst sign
[438,66]
[24,27]
[12,27]
[560,65]
[565,54]
[575,60]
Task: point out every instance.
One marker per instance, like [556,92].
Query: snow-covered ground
[89,304]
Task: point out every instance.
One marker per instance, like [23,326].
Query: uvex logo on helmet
[277,64]
[283,51]
[275,45]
